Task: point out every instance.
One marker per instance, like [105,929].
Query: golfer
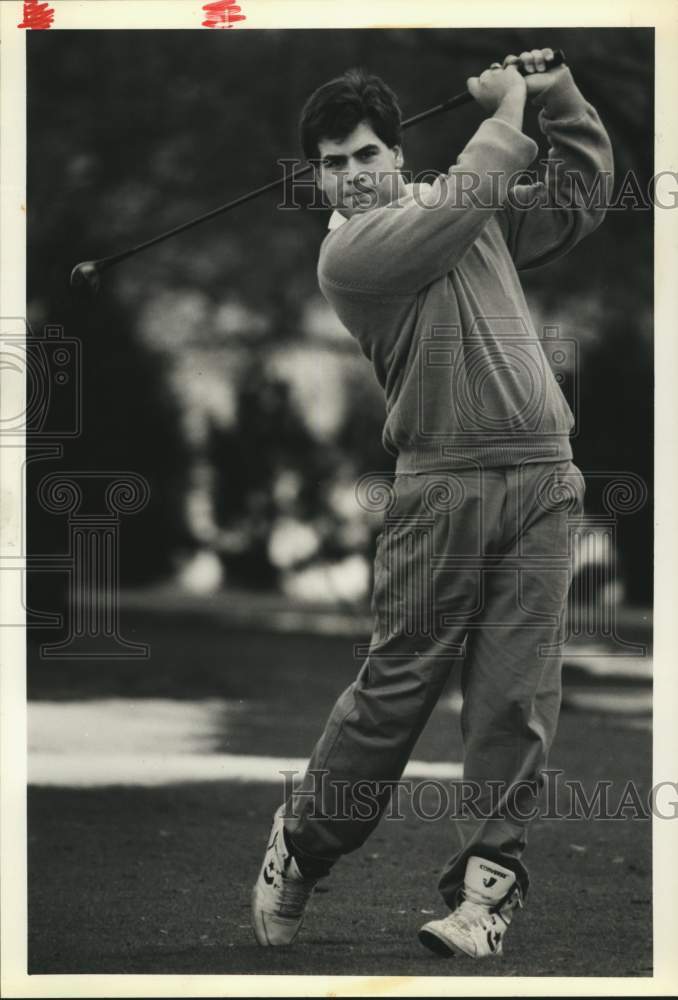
[473,560]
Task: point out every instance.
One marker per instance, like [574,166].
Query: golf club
[88,273]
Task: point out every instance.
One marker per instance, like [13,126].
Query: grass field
[131,879]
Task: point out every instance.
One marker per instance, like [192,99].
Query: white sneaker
[281,893]
[477,926]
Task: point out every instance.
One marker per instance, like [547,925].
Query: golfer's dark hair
[336,108]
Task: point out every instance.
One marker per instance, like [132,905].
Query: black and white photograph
[337,557]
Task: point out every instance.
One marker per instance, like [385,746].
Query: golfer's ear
[399,156]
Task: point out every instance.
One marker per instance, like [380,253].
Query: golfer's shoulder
[358,248]
[333,250]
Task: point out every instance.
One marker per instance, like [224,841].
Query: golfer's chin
[357,203]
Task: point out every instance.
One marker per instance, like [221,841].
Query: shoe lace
[294,895]
[469,914]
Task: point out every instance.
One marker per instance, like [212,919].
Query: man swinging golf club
[473,559]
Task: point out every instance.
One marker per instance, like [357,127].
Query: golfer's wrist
[511,109]
[562,98]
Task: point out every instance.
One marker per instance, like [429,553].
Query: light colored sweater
[428,285]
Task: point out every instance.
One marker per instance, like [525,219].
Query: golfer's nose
[358,178]
[352,173]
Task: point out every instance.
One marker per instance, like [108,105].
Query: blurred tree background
[211,364]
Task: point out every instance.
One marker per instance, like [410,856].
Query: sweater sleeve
[399,248]
[542,221]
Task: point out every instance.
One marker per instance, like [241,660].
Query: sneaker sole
[257,922]
[259,926]
[440,945]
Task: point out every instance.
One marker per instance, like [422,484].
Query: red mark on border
[37,16]
[222,14]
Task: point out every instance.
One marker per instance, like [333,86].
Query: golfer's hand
[498,85]
[539,77]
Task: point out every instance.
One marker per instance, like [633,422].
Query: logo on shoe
[493,871]
[489,882]
[269,879]
[493,940]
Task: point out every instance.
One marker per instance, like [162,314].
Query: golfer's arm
[400,248]
[544,220]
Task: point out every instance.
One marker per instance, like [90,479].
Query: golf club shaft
[453,102]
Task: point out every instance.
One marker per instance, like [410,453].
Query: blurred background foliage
[211,364]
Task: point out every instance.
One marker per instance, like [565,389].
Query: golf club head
[86,276]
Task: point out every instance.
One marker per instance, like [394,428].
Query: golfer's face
[359,172]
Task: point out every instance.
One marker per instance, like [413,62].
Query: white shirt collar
[337,219]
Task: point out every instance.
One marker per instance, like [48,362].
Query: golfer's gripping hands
[502,91]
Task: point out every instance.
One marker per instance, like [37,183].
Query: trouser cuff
[309,866]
